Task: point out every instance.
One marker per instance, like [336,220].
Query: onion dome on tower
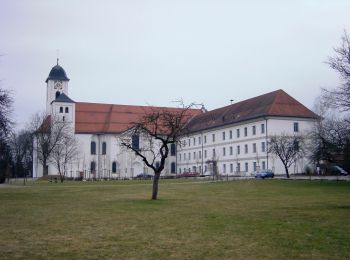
[57,73]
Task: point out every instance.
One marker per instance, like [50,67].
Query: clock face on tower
[58,85]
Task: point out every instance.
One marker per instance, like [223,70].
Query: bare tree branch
[161,127]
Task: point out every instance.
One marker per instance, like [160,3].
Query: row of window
[93,167]
[93,148]
[66,109]
[135,145]
[230,134]
[224,136]
[114,167]
[255,167]
[225,151]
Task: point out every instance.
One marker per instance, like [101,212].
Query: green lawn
[253,219]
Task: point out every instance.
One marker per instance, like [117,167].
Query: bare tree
[22,150]
[64,152]
[6,126]
[329,140]
[48,134]
[287,148]
[158,128]
[6,123]
[340,96]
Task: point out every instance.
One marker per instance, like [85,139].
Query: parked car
[264,174]
[188,174]
[143,176]
[338,170]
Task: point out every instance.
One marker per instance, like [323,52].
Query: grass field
[250,219]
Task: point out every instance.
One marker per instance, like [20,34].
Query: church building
[236,136]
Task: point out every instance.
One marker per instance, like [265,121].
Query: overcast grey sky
[155,51]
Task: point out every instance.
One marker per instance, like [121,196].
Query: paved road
[315,177]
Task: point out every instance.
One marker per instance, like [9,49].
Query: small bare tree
[157,128]
[22,153]
[64,152]
[288,148]
[49,131]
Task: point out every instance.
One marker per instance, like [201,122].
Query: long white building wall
[239,148]
[127,164]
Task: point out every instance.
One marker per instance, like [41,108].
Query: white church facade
[235,136]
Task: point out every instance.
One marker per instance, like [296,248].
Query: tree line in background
[330,138]
[329,141]
[52,140]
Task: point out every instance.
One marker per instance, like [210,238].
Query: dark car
[143,176]
[188,174]
[335,169]
[264,174]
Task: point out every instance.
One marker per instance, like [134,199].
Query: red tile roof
[111,118]
[276,103]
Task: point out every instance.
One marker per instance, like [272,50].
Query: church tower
[56,84]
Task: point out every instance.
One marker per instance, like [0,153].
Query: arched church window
[67,109]
[57,94]
[135,142]
[173,167]
[93,167]
[93,147]
[61,109]
[172,150]
[104,148]
[114,167]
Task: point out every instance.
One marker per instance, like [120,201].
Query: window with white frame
[245,148]
[262,128]
[296,127]
[254,129]
[263,148]
[254,147]
[223,136]
[230,134]
[231,150]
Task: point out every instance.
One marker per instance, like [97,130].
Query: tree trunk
[61,177]
[155,185]
[45,169]
[287,172]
